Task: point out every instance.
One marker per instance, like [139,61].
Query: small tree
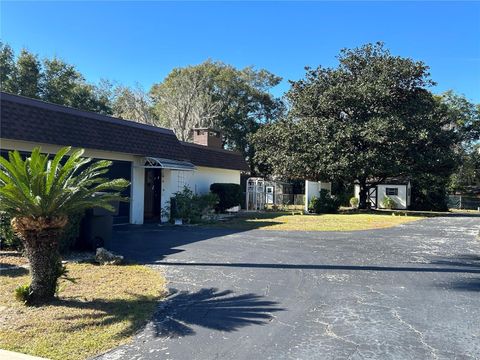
[40,194]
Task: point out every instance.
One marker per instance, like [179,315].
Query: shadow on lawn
[208,307]
[12,270]
[135,311]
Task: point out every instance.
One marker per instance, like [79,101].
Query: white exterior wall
[312,189]
[198,180]
[400,199]
[137,193]
[356,191]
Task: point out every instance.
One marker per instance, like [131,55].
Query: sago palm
[40,193]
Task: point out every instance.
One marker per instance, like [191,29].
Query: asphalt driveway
[409,292]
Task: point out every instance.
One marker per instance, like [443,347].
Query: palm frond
[40,186]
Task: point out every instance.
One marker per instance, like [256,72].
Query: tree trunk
[363,203]
[40,237]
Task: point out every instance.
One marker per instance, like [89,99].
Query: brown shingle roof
[201,155]
[33,120]
[38,121]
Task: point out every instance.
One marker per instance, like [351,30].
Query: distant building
[398,189]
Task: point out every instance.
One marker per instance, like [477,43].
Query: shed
[399,189]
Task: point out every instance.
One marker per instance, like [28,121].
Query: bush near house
[389,203]
[8,239]
[354,202]
[229,195]
[190,207]
[324,204]
[67,239]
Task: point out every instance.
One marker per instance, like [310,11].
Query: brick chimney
[208,137]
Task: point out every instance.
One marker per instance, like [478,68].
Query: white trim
[20,145]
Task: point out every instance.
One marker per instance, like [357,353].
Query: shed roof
[399,180]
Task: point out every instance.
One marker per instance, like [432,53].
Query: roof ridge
[84,113]
[186,143]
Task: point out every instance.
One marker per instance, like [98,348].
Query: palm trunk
[45,265]
[40,237]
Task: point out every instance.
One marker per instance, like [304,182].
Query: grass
[326,222]
[104,309]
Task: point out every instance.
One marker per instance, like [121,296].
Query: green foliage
[190,207]
[67,238]
[70,233]
[40,187]
[22,293]
[51,80]
[324,204]
[429,193]
[27,75]
[229,195]
[468,173]
[235,101]
[370,117]
[8,238]
[389,203]
[354,202]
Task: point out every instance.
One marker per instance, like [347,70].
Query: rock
[105,257]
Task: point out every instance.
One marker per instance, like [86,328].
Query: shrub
[190,207]
[67,238]
[8,239]
[229,195]
[324,204]
[22,293]
[70,233]
[389,203]
[354,202]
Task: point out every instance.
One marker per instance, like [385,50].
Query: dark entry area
[153,191]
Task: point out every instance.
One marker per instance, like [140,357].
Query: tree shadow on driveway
[461,260]
[212,309]
[432,269]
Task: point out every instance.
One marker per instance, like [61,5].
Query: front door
[153,191]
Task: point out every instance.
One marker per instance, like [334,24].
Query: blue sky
[142,41]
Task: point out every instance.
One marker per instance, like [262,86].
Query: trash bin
[96,227]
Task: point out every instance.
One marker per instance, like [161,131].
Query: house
[398,189]
[155,162]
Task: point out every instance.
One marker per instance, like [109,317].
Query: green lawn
[326,222]
[104,309]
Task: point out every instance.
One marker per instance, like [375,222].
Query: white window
[391,191]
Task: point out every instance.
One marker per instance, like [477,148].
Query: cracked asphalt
[408,292]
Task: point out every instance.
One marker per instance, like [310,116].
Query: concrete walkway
[409,292]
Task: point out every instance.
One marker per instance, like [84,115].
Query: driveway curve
[409,292]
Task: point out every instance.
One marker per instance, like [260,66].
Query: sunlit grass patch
[106,306]
[326,222]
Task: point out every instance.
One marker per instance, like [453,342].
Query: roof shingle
[33,120]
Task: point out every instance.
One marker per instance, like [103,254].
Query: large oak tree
[369,118]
